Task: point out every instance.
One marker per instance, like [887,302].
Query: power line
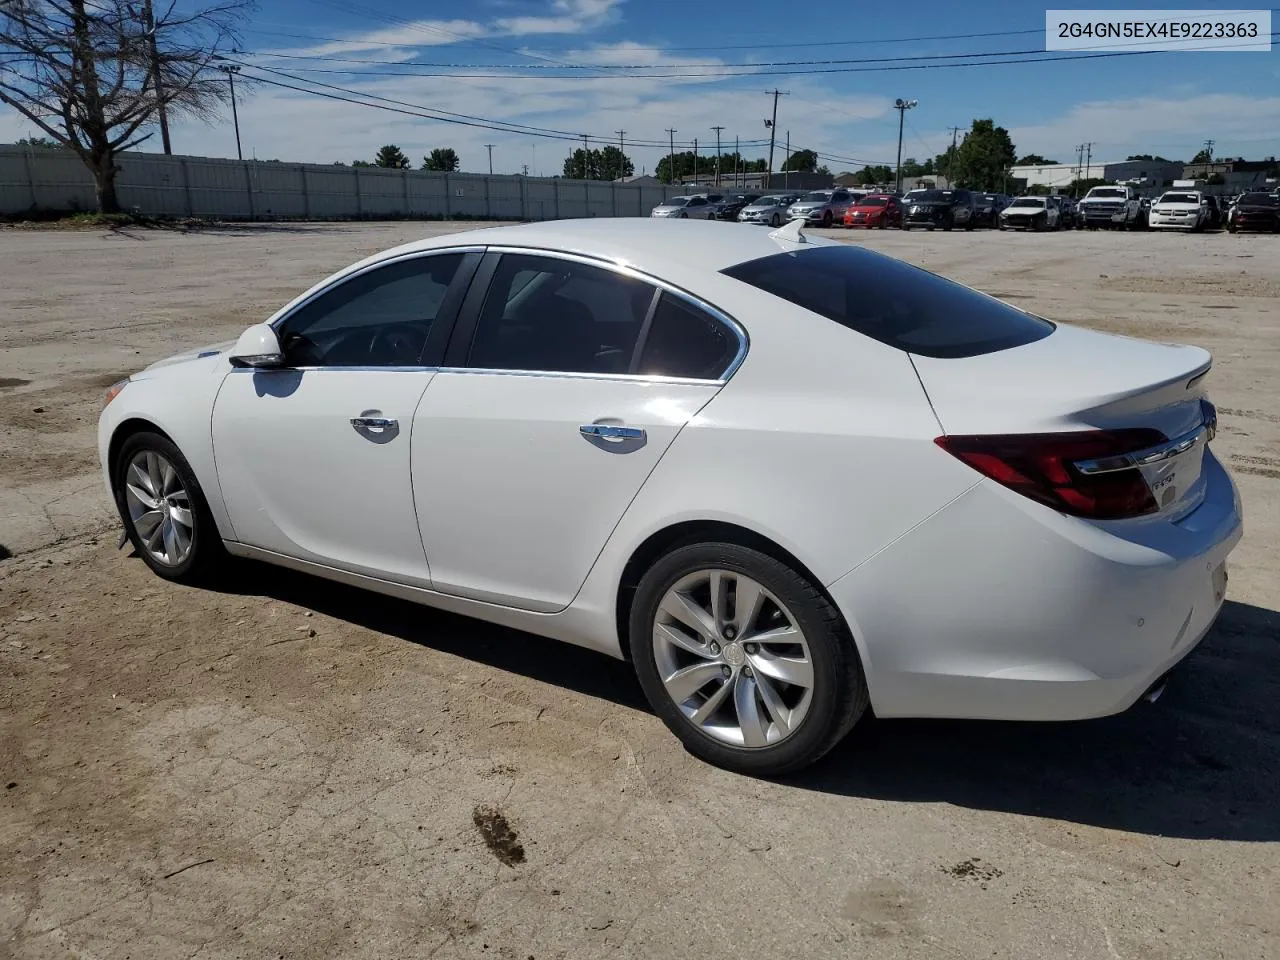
[447,116]
[473,75]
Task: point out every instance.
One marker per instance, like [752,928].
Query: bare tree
[95,74]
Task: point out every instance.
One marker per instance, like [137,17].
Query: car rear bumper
[999,608]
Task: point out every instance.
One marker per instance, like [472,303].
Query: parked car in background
[821,207]
[932,209]
[877,210]
[1031,213]
[501,425]
[771,210]
[1255,211]
[1066,212]
[733,204]
[1112,207]
[686,208]
[1217,211]
[1180,210]
[987,208]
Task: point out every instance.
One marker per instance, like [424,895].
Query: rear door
[567,379]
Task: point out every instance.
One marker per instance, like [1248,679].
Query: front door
[573,383]
[313,459]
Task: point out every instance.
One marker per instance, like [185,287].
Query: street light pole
[902,106]
[235,117]
[489,147]
[671,156]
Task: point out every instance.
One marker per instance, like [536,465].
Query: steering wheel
[397,345]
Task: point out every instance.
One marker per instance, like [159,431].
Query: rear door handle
[374,423]
[611,432]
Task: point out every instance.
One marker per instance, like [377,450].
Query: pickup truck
[1116,207]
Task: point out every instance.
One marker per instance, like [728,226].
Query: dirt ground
[287,768]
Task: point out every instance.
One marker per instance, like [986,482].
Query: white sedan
[789,479]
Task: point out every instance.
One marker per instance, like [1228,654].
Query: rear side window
[893,302]
[684,341]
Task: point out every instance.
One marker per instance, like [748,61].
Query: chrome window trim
[354,368]
[368,268]
[570,375]
[625,270]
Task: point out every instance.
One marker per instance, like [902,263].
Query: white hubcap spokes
[733,658]
[159,507]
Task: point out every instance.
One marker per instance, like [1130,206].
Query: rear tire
[826,220]
[775,221]
[164,511]
[748,686]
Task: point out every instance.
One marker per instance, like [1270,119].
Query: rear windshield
[1105,193]
[873,201]
[893,302]
[1028,202]
[1180,198]
[1259,199]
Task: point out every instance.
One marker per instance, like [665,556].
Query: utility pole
[671,157]
[1208,152]
[1088,160]
[773,124]
[786,165]
[737,162]
[1079,160]
[902,106]
[717,130]
[153,50]
[235,117]
[695,161]
[951,157]
[584,156]
[622,160]
[489,147]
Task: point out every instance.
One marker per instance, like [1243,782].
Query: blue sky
[1166,103]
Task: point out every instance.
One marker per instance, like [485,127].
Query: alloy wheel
[733,659]
[159,508]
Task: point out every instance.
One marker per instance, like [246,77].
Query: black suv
[939,208]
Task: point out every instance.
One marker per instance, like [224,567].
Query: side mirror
[257,347]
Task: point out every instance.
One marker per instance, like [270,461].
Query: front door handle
[611,432]
[374,423]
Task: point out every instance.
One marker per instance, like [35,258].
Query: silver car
[771,209]
[821,207]
[686,208]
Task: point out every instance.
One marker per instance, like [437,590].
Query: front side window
[380,318]
[892,302]
[548,314]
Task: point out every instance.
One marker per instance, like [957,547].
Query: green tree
[361,163]
[441,158]
[1078,188]
[1201,157]
[615,164]
[609,163]
[391,157]
[43,143]
[1147,156]
[876,174]
[1035,160]
[982,161]
[801,161]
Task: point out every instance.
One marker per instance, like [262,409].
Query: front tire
[164,511]
[744,659]
[775,221]
[826,220]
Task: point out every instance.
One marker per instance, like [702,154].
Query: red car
[875,210]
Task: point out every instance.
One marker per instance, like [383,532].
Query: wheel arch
[127,428]
[687,532]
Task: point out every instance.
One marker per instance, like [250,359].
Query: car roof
[662,247]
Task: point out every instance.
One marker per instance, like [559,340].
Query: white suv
[1180,210]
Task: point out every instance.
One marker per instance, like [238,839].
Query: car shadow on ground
[1201,763]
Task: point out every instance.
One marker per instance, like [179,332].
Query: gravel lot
[287,768]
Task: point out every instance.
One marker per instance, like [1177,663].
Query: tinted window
[1259,199]
[697,202]
[892,301]
[873,201]
[542,313]
[379,318]
[684,341]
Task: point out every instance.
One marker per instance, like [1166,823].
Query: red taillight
[1040,466]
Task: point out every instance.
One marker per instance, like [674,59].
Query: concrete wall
[34,179]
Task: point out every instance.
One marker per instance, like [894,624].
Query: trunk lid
[1077,379]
